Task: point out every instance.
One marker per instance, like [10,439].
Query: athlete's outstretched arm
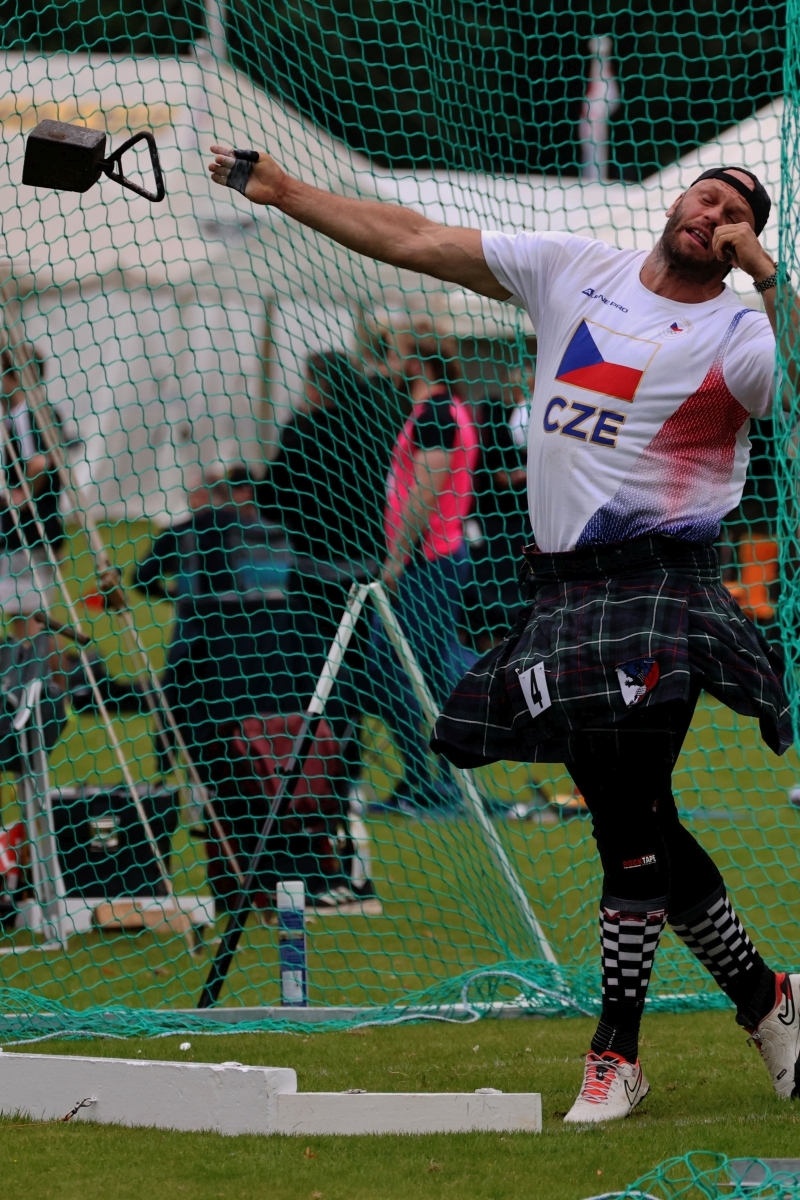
[387,232]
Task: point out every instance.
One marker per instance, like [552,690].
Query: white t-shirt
[642,406]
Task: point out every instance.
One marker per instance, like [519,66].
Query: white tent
[156,320]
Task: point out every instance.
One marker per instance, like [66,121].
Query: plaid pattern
[594,610]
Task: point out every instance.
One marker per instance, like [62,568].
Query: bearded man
[649,369]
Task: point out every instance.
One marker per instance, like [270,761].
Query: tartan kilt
[640,623]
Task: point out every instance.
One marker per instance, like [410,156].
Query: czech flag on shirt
[604,361]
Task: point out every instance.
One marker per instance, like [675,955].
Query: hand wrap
[241,169]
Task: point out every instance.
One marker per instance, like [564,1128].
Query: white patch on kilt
[534,688]
[637,678]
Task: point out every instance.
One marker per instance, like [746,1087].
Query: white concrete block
[232,1099]
[228,1098]
[311,1113]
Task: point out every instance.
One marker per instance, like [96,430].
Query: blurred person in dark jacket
[499,525]
[327,481]
[326,487]
[229,573]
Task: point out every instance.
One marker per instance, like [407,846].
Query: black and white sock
[629,935]
[714,933]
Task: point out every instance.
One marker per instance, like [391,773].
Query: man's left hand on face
[739,244]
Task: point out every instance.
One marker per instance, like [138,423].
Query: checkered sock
[714,933]
[629,933]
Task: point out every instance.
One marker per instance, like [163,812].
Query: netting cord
[110,585]
[464,779]
[563,999]
[6,446]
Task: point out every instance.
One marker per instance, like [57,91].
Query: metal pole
[464,779]
[7,446]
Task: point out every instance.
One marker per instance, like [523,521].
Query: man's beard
[684,265]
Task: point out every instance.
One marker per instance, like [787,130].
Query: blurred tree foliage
[498,86]
[163,27]
[493,85]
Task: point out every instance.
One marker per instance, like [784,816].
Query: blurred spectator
[326,487]
[234,647]
[326,483]
[499,526]
[27,579]
[429,492]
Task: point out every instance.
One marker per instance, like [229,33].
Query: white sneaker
[778,1037]
[611,1088]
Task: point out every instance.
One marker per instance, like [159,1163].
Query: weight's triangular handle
[112,166]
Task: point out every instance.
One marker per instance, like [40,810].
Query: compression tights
[654,871]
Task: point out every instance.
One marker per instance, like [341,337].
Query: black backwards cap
[756,197]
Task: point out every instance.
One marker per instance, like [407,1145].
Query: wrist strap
[763,285]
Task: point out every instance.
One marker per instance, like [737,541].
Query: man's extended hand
[266,179]
[389,233]
[739,245]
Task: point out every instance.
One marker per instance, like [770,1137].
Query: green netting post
[786,421]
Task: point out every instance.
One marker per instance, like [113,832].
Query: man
[232,574]
[428,495]
[500,519]
[648,372]
[330,514]
[27,578]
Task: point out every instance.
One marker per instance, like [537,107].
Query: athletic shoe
[366,902]
[612,1087]
[778,1037]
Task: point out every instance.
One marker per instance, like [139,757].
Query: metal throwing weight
[70,158]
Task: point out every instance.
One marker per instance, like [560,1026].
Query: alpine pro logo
[637,678]
[604,361]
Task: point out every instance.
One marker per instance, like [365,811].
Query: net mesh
[703,1175]
[206,398]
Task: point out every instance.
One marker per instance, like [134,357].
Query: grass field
[710,1091]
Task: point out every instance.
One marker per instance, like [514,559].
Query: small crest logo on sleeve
[637,678]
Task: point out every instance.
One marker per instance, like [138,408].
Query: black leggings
[625,775]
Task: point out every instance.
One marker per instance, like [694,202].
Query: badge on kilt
[534,688]
[637,678]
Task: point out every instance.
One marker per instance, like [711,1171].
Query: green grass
[709,1091]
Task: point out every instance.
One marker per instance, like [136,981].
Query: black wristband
[241,170]
[763,285]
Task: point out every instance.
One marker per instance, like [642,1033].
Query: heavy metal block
[63,156]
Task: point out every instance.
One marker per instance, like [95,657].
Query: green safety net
[704,1175]
[205,400]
